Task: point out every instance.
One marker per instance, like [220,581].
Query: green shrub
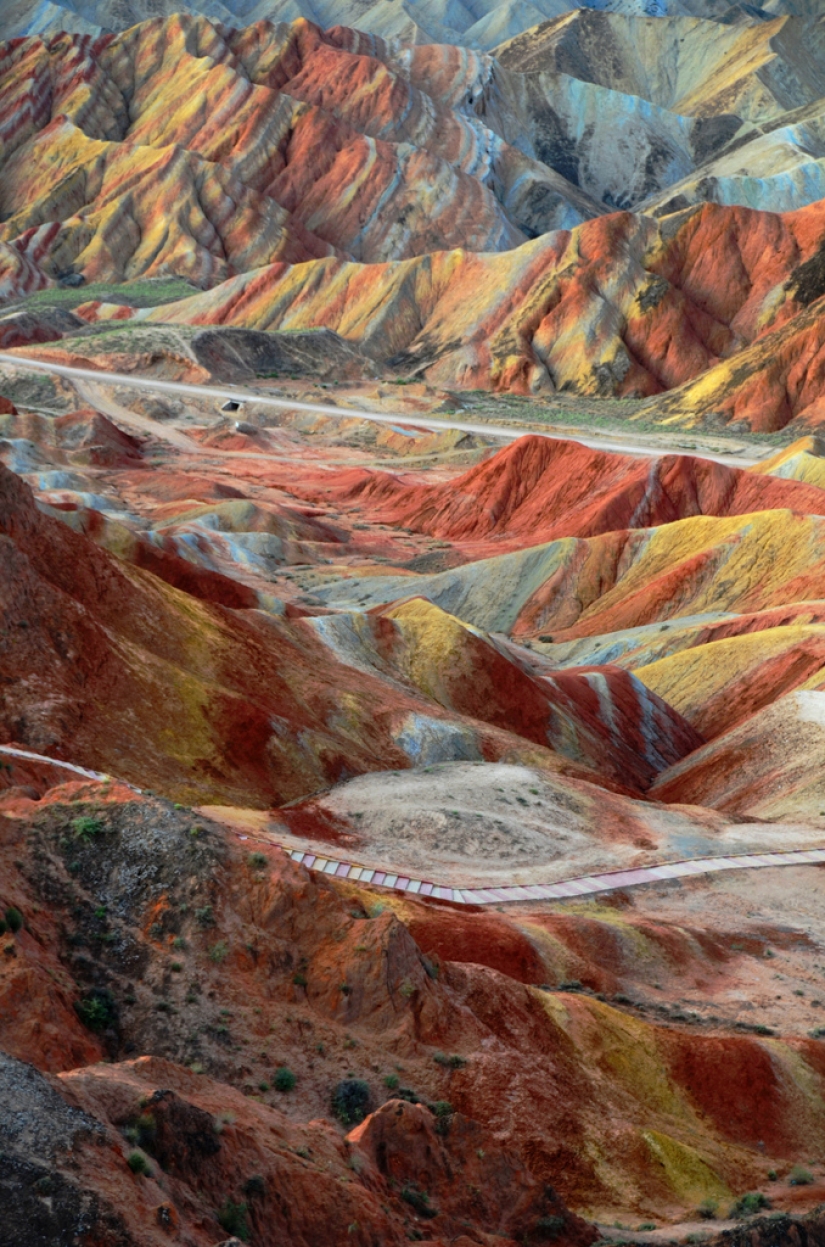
[350,1101]
[708,1209]
[300,980]
[257,861]
[3,927]
[391,1081]
[800,1176]
[138,1163]
[232,1218]
[205,917]
[254,1185]
[14,919]
[284,1079]
[97,1009]
[86,828]
[450,1062]
[747,1205]
[419,1200]
[219,952]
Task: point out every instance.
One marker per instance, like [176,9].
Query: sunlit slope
[769,766]
[720,301]
[580,587]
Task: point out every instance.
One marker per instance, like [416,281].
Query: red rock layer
[539,489]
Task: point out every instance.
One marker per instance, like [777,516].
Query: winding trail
[566,889]
[501,432]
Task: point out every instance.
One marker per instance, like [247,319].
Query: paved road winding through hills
[566,889]
[502,432]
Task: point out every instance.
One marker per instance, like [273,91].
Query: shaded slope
[129,674]
[754,71]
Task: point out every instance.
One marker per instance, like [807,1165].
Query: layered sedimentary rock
[181,148]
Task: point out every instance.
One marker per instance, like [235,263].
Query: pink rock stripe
[565,889]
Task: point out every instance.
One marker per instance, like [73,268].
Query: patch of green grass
[145,292]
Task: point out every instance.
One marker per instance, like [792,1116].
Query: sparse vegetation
[14,919]
[138,1163]
[547,1229]
[85,828]
[747,1205]
[232,1218]
[254,1186]
[391,1081]
[97,1009]
[219,952]
[454,1061]
[284,1079]
[299,979]
[708,1209]
[350,1101]
[418,1200]
[257,861]
[800,1176]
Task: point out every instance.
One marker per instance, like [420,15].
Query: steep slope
[768,766]
[287,141]
[752,70]
[252,703]
[589,716]
[686,1107]
[621,305]
[577,587]
[719,684]
[538,489]
[482,25]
